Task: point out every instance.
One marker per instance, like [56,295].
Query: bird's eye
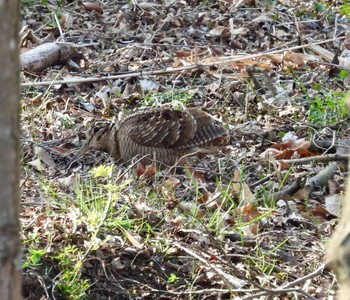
[96,129]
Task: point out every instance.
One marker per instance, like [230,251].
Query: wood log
[339,249]
[46,55]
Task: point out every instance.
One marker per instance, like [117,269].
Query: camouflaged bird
[162,135]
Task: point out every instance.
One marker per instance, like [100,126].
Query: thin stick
[170,70]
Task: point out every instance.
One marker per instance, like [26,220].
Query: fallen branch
[288,287]
[46,55]
[317,159]
[230,280]
[223,61]
[322,177]
[104,78]
[288,190]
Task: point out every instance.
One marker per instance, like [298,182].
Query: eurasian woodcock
[159,134]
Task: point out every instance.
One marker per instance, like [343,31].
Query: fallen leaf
[171,183]
[334,204]
[320,210]
[92,6]
[45,157]
[242,189]
[132,239]
[117,264]
[36,164]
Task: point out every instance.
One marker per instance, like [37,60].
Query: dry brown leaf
[334,187]
[37,100]
[292,146]
[171,204]
[92,6]
[294,58]
[146,172]
[198,176]
[220,31]
[45,157]
[133,240]
[36,164]
[283,146]
[176,222]
[283,165]
[171,183]
[247,209]
[302,194]
[254,229]
[320,210]
[303,150]
[117,264]
[286,154]
[275,58]
[250,212]
[334,204]
[291,59]
[241,188]
[140,169]
[204,198]
[241,64]
[65,149]
[183,53]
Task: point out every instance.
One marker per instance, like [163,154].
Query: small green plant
[178,98]
[264,265]
[343,74]
[65,119]
[34,258]
[216,221]
[345,9]
[173,278]
[96,195]
[319,7]
[102,171]
[92,204]
[327,107]
[70,283]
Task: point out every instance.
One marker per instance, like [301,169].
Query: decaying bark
[339,249]
[45,55]
[10,248]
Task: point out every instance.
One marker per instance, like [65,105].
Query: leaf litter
[251,222]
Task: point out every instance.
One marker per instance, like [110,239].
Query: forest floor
[250,222]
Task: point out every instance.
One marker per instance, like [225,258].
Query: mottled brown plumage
[163,135]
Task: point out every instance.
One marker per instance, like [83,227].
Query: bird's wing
[159,128]
[209,132]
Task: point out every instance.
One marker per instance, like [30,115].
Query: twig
[114,77]
[229,279]
[59,28]
[322,177]
[287,287]
[261,181]
[170,70]
[317,159]
[288,190]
